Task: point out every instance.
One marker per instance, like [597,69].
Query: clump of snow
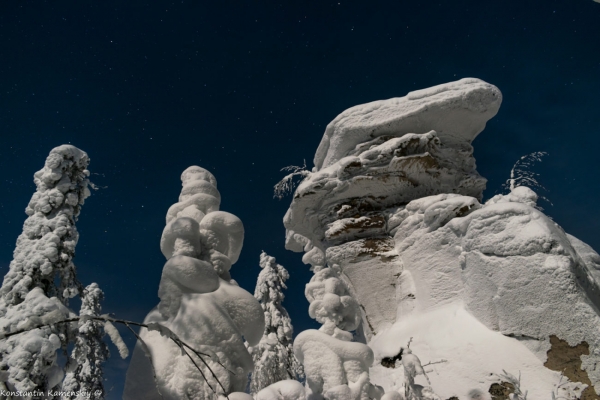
[520,194]
[30,357]
[223,232]
[200,304]
[336,368]
[283,390]
[330,302]
[116,338]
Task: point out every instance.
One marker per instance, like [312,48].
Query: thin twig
[200,369]
[207,355]
[127,323]
[435,362]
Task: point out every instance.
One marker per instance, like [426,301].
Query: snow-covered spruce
[43,256]
[394,203]
[273,357]
[84,372]
[199,302]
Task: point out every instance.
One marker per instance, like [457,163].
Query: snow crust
[200,303]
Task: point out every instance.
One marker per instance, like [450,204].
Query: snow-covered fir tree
[41,277]
[85,366]
[273,357]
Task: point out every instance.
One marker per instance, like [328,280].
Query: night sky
[246,88]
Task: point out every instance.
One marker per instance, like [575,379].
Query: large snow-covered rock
[200,304]
[479,292]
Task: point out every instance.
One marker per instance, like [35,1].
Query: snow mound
[282,390]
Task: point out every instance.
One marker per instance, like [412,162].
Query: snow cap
[457,111]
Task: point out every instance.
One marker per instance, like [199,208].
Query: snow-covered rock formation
[482,293]
[199,302]
[41,278]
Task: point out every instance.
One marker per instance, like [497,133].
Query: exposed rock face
[394,204]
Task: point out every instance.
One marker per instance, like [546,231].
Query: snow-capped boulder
[480,293]
[199,303]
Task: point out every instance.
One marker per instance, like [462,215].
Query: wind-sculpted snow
[199,302]
[393,210]
[335,368]
[41,278]
[457,110]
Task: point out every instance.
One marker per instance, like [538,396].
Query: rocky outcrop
[394,204]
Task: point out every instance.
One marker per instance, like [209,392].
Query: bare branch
[287,185]
[153,326]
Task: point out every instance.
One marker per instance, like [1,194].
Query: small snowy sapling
[273,357]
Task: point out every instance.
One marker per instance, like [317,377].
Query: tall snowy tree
[85,366]
[273,357]
[41,277]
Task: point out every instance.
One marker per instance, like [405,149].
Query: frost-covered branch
[521,173]
[516,382]
[287,185]
[118,341]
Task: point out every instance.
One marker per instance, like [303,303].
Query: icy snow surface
[199,303]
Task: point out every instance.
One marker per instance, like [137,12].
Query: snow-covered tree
[41,277]
[273,357]
[85,366]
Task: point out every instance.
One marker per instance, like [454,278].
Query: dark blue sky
[246,88]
